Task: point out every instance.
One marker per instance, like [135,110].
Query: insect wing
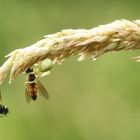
[0,97]
[42,90]
[27,96]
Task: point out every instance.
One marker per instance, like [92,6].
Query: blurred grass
[89,100]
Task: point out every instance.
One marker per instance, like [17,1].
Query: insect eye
[29,70]
[46,65]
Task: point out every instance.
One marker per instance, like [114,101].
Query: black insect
[3,108]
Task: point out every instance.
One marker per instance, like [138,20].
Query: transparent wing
[27,96]
[0,97]
[42,90]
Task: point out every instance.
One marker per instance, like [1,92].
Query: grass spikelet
[88,44]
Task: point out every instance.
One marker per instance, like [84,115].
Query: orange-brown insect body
[32,88]
[32,85]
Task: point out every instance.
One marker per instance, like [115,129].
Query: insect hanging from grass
[33,84]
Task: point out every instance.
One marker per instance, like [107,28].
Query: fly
[3,108]
[33,86]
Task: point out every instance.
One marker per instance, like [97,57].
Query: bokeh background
[89,100]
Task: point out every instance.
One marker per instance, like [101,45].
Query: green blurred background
[89,100]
